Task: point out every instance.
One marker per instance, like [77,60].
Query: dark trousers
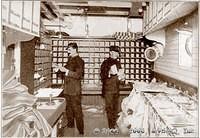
[74,111]
[112,104]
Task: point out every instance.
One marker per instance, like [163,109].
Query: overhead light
[144,5]
[140,11]
[186,23]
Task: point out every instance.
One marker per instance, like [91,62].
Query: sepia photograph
[100,68]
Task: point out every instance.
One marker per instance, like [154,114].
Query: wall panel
[169,63]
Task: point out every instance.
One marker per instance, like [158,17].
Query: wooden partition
[35,58]
[27,63]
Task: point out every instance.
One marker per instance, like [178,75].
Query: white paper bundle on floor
[121,124]
[133,114]
[19,117]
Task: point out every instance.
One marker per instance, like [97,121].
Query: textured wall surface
[169,63]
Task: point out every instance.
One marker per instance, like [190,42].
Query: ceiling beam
[92,11]
[105,15]
[110,4]
[47,7]
[106,8]
[97,3]
[71,4]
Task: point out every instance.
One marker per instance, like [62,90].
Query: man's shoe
[80,134]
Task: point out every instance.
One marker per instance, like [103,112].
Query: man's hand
[56,69]
[121,75]
[63,69]
[66,72]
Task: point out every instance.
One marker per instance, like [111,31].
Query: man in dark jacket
[74,71]
[111,74]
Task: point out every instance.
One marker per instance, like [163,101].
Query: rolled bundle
[132,116]
[19,117]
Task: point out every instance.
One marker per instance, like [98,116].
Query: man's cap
[114,48]
[73,45]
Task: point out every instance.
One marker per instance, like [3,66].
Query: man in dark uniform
[74,71]
[111,74]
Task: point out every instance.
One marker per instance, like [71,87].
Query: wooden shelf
[43,62]
[91,59]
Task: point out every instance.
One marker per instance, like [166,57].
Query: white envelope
[114,69]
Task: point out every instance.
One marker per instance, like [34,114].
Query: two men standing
[111,74]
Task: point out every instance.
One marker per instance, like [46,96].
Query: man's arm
[120,74]
[79,72]
[104,71]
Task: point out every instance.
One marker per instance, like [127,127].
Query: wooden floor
[92,122]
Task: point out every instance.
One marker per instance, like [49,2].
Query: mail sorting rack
[43,65]
[95,51]
[156,126]
[173,121]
